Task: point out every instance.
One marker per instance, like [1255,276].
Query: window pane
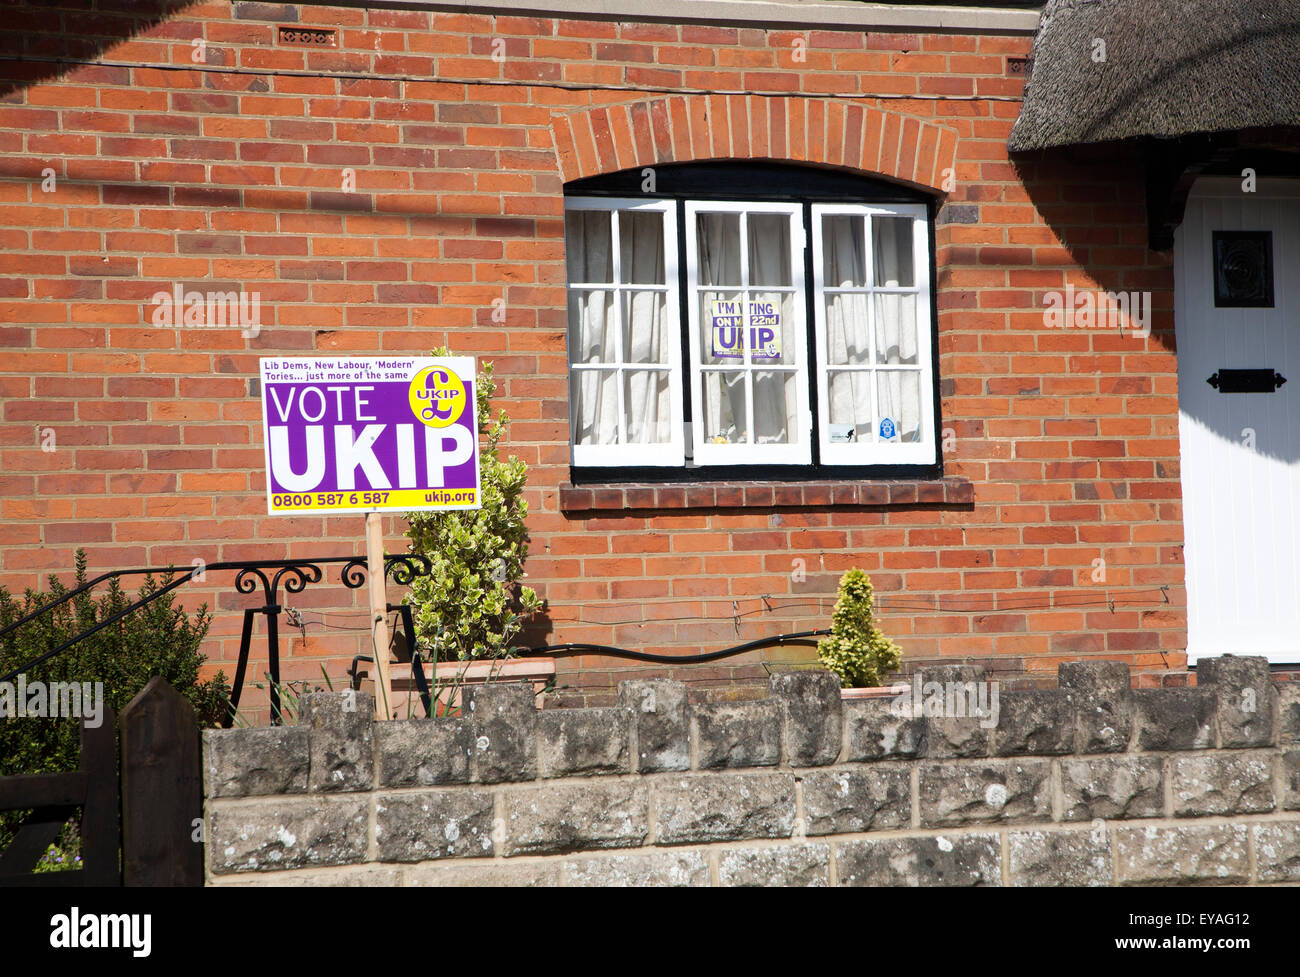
[595,406]
[648,404]
[774,408]
[895,328]
[844,263]
[724,408]
[591,327]
[588,246]
[850,407]
[721,326]
[899,396]
[718,236]
[771,336]
[646,330]
[891,252]
[848,329]
[641,247]
[769,249]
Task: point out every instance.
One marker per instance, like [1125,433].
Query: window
[1243,269]
[624,337]
[748,372]
[749,321]
[874,365]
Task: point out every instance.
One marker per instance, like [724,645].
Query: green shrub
[158,639]
[472,605]
[857,651]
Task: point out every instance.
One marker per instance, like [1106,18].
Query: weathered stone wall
[1093,783]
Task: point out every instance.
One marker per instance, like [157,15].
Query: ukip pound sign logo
[437,396]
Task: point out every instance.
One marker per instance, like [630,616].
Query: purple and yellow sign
[349,434]
[727,319]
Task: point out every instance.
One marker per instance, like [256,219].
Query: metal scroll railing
[293,575]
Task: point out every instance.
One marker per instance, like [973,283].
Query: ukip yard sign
[370,435]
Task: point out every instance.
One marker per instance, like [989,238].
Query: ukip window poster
[348,434]
[727,324]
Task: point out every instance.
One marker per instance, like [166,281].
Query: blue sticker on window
[887,429]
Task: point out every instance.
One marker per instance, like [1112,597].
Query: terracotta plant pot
[453,676]
[872,692]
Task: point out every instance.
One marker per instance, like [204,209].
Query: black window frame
[762,182]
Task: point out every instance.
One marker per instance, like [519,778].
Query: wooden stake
[378,612]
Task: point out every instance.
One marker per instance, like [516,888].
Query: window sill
[951,490]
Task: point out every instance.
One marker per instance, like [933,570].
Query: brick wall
[187,145]
[1089,784]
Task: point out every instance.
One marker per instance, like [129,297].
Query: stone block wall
[1093,783]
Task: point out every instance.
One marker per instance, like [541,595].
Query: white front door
[1239,326]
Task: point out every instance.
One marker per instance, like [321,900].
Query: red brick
[186,175]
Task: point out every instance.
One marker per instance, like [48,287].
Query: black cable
[501,82]
[798,637]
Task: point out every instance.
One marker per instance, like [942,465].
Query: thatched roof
[1171,68]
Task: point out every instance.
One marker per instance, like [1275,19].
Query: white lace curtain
[848,325]
[768,241]
[647,405]
[593,325]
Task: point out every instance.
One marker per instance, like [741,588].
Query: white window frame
[876,451]
[799,451]
[623,454]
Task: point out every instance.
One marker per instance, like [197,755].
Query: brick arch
[687,128]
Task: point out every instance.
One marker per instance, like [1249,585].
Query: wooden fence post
[99,837]
[162,798]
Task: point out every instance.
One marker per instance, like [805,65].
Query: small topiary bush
[473,605]
[857,651]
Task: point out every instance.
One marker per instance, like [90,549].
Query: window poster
[727,324]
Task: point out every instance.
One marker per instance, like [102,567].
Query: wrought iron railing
[294,575]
